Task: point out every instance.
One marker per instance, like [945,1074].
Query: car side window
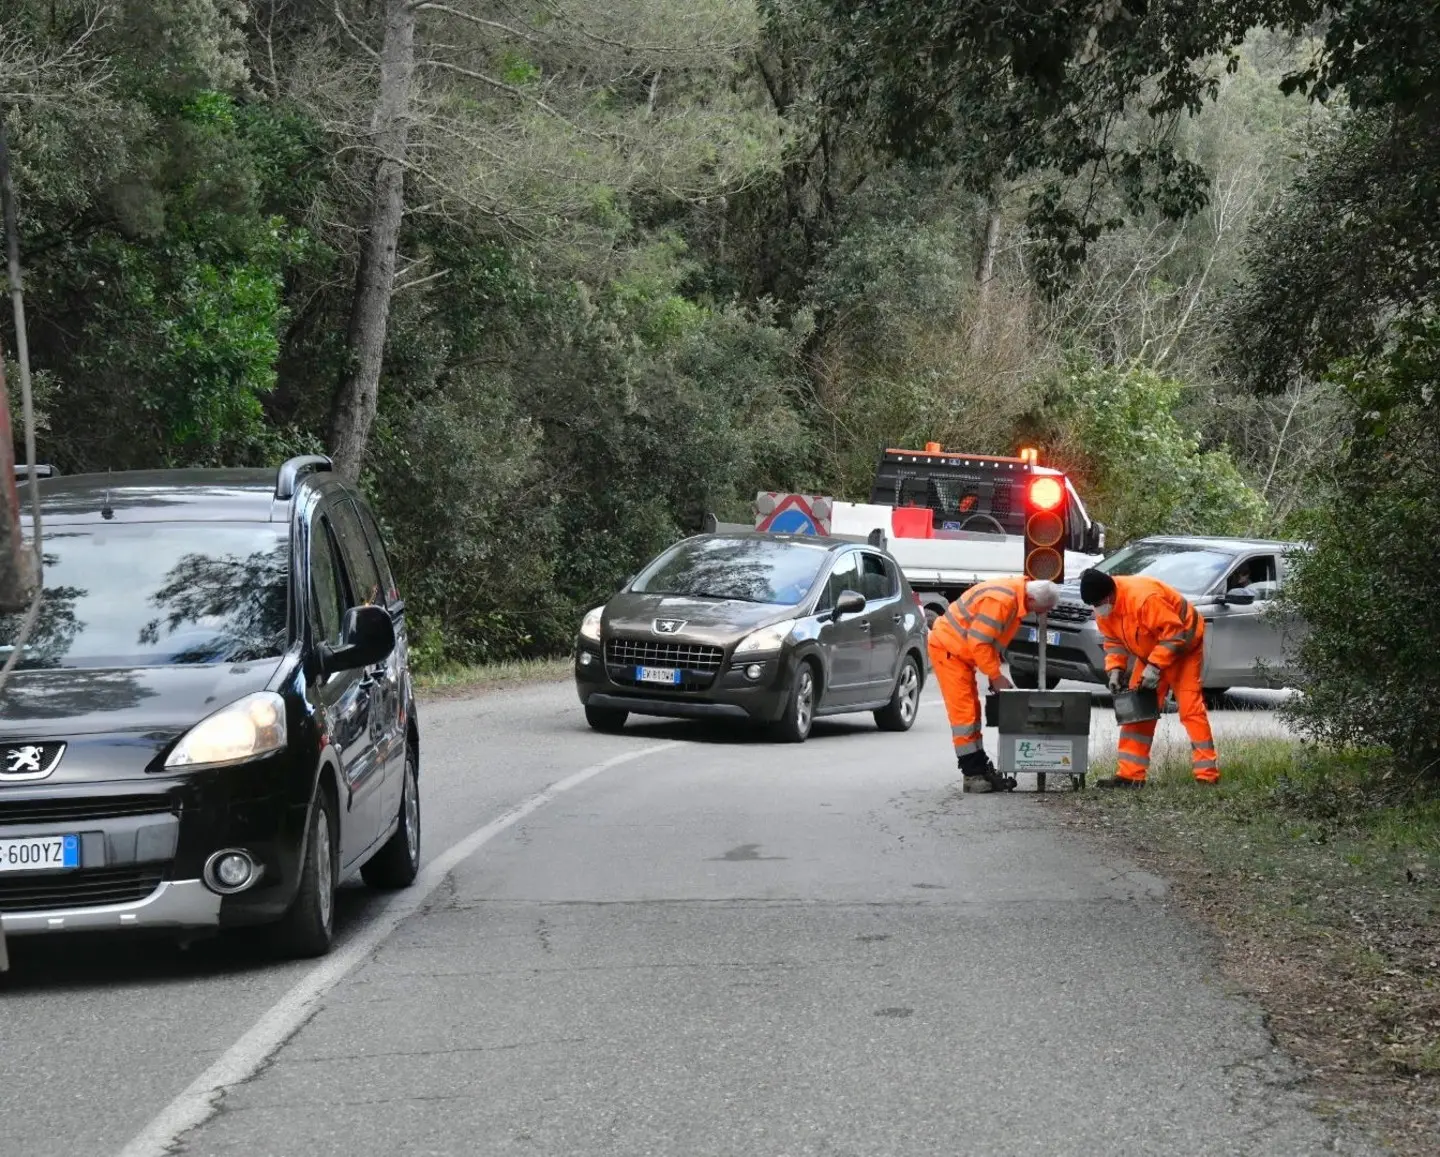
[360,565]
[1259,575]
[379,553]
[844,577]
[327,588]
[877,582]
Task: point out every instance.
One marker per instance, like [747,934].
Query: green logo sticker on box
[1044,754]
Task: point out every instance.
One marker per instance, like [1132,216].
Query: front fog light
[586,658]
[231,870]
[754,671]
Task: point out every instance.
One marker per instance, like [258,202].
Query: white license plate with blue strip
[40,854]
[1052,638]
[657,675]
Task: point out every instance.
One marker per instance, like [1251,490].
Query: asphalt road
[684,943]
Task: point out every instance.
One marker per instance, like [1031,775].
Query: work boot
[1116,781]
[980,774]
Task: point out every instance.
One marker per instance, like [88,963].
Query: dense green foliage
[656,256]
[1370,588]
[1118,434]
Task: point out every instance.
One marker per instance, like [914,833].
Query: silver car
[1229,581]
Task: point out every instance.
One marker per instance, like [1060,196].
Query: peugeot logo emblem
[669,626]
[30,760]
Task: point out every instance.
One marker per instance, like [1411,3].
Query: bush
[1371,589]
[1115,430]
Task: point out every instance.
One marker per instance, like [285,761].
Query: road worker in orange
[1150,621]
[968,638]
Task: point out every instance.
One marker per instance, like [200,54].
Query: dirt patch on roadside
[1338,943]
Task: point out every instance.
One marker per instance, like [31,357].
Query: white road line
[243,1059]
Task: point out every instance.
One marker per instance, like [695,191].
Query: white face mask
[1104,610]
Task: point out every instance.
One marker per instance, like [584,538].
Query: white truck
[950,520]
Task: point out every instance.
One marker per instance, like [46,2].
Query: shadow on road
[86,960]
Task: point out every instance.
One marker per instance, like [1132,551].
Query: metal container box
[1042,733]
[1138,706]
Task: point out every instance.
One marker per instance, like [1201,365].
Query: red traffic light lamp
[1045,528]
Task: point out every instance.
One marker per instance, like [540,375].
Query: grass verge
[1319,873]
[456,681]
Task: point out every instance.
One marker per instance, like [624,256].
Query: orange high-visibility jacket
[1151,621]
[985,619]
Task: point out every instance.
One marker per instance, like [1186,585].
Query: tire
[607,719]
[794,725]
[398,863]
[899,714]
[308,928]
[1217,698]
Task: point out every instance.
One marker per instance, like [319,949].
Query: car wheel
[899,714]
[794,725]
[606,718]
[308,928]
[1217,698]
[398,863]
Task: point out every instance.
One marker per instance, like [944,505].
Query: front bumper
[174,904]
[144,845]
[730,694]
[1078,654]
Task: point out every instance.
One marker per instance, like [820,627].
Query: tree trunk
[352,411]
[985,269]
[986,272]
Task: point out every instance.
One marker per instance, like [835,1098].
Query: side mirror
[849,603]
[366,638]
[1239,596]
[1095,538]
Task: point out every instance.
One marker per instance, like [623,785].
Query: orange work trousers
[956,675]
[1184,676]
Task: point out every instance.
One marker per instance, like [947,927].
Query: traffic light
[1045,527]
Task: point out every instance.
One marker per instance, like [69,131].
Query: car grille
[78,889]
[83,809]
[1072,613]
[698,662]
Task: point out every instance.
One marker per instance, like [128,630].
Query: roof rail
[47,471]
[291,473]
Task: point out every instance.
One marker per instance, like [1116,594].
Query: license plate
[1052,638]
[39,854]
[657,675]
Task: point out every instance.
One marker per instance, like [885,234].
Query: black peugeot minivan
[212,723]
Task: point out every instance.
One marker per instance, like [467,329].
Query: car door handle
[897,619]
[865,625]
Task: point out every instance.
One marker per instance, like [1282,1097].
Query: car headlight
[248,728]
[770,638]
[590,625]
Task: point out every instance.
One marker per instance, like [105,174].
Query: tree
[1369,591]
[1115,430]
[463,97]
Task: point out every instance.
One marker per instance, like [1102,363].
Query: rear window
[752,570]
[158,594]
[1190,570]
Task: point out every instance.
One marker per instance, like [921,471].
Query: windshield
[1189,569]
[157,594]
[752,570]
